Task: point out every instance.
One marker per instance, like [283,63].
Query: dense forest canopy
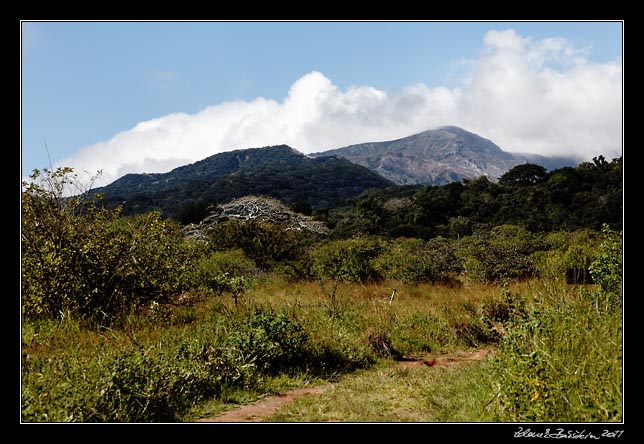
[587,196]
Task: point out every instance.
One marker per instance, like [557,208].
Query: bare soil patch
[448,359]
[264,408]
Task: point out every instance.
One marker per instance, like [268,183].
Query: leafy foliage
[587,196]
[79,257]
[525,174]
[606,269]
[267,244]
[347,260]
[567,256]
[504,253]
[415,261]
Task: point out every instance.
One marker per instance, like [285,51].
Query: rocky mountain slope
[440,156]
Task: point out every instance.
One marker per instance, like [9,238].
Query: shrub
[267,244]
[217,269]
[81,258]
[414,261]
[507,252]
[567,252]
[234,262]
[276,342]
[606,269]
[347,260]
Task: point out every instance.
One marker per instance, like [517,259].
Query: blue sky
[149,96]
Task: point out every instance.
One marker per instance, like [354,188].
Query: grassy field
[557,355]
[457,392]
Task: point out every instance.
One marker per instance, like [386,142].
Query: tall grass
[561,358]
[164,363]
[561,361]
[558,359]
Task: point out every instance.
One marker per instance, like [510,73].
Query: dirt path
[264,408]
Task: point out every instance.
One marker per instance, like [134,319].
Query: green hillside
[279,172]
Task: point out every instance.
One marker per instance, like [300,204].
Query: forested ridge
[276,171]
[586,196]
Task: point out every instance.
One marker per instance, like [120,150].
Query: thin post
[392,296]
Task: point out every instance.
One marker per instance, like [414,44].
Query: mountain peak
[452,129]
[434,157]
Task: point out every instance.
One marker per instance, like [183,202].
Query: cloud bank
[541,97]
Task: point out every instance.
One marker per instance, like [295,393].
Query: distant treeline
[528,195]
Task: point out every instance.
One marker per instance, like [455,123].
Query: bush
[267,244]
[606,269]
[347,260]
[567,252]
[217,263]
[414,261]
[507,252]
[276,342]
[79,257]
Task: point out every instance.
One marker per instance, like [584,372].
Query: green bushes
[161,379]
[233,262]
[347,260]
[606,269]
[222,272]
[268,244]
[568,256]
[415,261]
[81,258]
[505,252]
[151,386]
[371,259]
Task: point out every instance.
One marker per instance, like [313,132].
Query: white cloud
[544,97]
[527,96]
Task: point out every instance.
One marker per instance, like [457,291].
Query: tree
[49,236]
[459,226]
[526,174]
[192,212]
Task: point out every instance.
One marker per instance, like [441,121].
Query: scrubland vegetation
[127,319]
